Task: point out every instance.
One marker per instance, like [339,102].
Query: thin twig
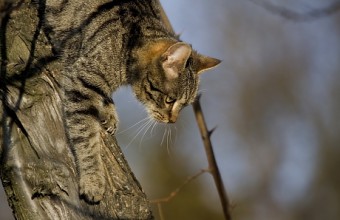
[176,191]
[160,211]
[211,158]
[297,16]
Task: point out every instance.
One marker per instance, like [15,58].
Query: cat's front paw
[110,124]
[92,188]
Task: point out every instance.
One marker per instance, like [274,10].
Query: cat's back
[73,24]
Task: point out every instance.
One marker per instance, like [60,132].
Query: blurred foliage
[187,204]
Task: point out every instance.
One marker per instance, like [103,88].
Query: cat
[105,44]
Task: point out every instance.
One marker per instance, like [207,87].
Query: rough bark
[37,166]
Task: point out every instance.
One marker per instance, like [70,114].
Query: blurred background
[275,100]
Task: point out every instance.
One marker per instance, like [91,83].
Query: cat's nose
[173,118]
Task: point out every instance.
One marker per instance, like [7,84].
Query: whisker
[171,142]
[154,125]
[163,135]
[139,131]
[134,125]
[175,134]
[201,91]
[150,123]
[167,141]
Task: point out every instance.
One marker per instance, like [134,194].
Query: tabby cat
[104,44]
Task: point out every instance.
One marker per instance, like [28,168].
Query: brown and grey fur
[106,44]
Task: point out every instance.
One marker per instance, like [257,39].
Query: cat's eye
[169,100]
[189,61]
[152,87]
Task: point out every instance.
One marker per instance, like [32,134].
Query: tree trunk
[37,166]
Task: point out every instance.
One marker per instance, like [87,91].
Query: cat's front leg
[82,108]
[85,138]
[84,134]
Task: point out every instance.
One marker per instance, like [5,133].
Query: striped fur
[103,45]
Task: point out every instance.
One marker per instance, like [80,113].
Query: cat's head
[169,78]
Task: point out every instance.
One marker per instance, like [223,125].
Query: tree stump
[37,166]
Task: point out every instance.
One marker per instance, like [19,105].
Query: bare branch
[213,168]
[211,131]
[296,16]
[211,159]
[160,211]
[178,189]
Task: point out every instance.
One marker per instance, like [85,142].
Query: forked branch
[213,168]
[205,133]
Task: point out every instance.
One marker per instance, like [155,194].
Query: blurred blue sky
[248,39]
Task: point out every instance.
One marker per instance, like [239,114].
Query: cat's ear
[175,58]
[205,63]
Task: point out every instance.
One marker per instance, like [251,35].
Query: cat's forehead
[183,83]
[187,94]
